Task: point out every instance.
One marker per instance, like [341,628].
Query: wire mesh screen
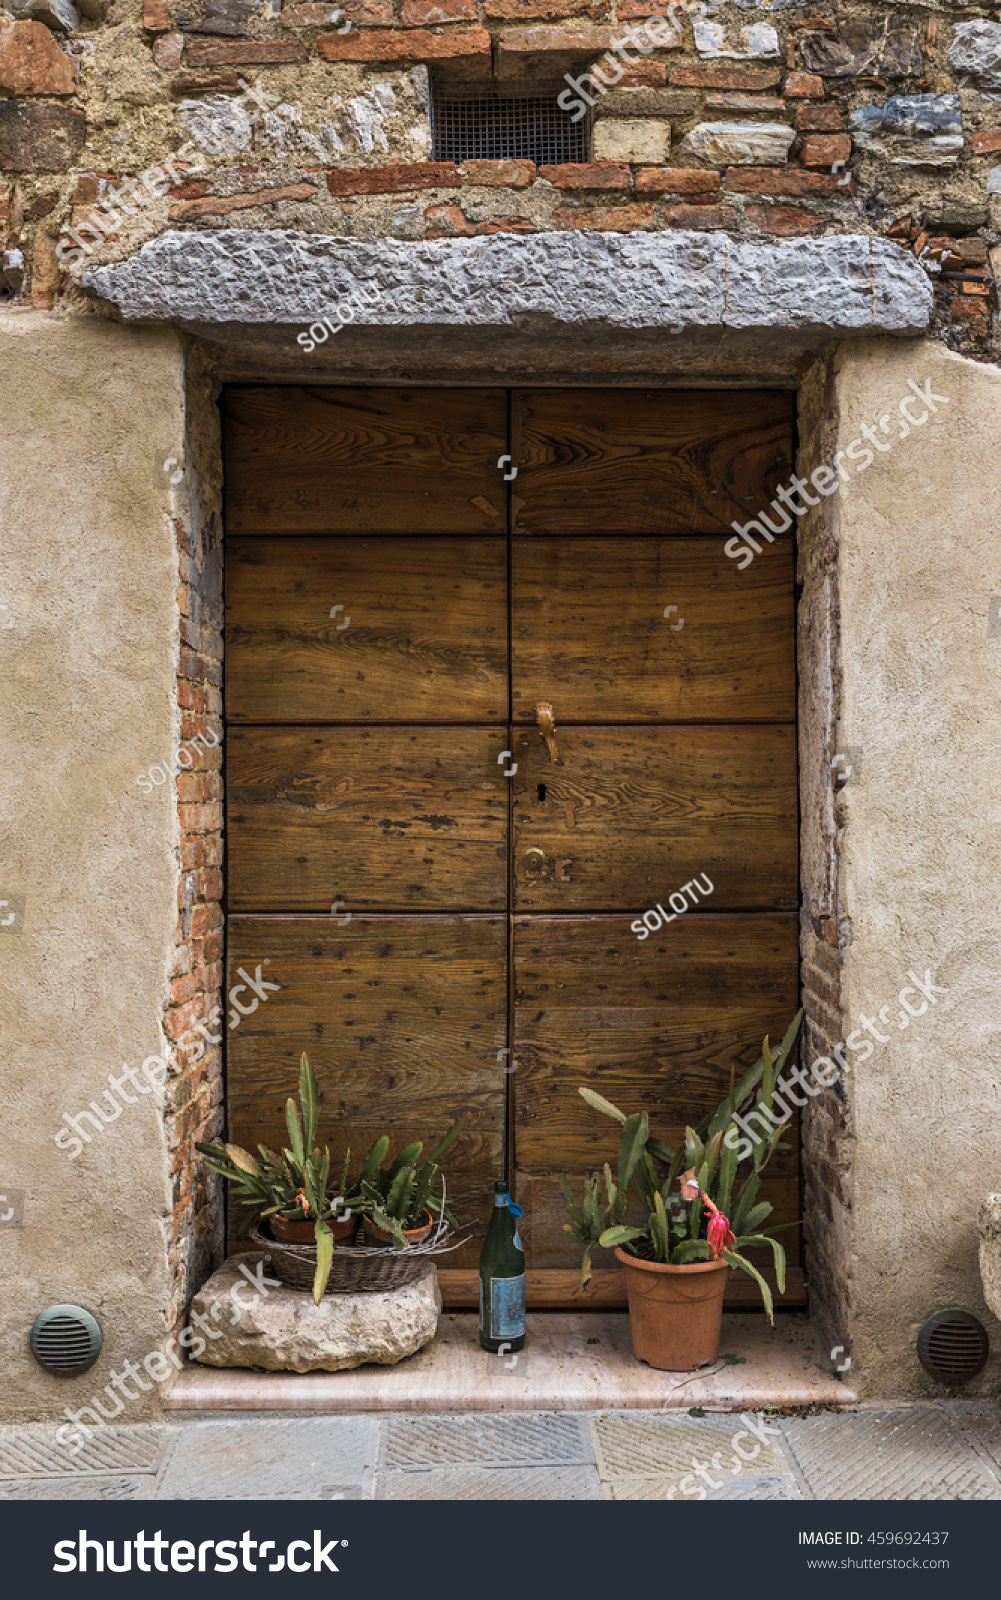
[473,124]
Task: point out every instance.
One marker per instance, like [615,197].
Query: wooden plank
[647,461]
[326,460]
[559,1290]
[627,816]
[421,635]
[589,632]
[661,1031]
[384,818]
[402,1018]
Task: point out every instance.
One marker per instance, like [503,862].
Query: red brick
[819,119]
[156,18]
[677,180]
[167,51]
[45,271]
[783,180]
[589,175]
[425,13]
[558,41]
[500,174]
[447,222]
[744,79]
[543,10]
[823,150]
[200,819]
[803,86]
[610,219]
[242,53]
[184,210]
[396,177]
[644,75]
[700,216]
[32,63]
[414,46]
[363,13]
[204,919]
[630,9]
[984,143]
[786,219]
[41,206]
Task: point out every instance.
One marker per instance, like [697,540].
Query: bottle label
[507,1307]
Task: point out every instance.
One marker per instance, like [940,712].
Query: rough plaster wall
[920,558]
[90,576]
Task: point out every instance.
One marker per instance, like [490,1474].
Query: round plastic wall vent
[953,1346]
[65,1340]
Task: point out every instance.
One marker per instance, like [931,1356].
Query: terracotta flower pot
[287,1232]
[345,1228]
[376,1235]
[674,1312]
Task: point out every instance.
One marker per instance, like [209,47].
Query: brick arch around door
[446,898]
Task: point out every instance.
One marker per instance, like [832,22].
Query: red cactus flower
[720,1235]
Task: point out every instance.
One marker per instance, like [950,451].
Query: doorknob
[547,727]
[533,860]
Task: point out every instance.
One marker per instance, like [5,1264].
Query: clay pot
[303,1232]
[376,1235]
[345,1228]
[674,1312]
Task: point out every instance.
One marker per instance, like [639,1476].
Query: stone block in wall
[647,103]
[639,140]
[39,138]
[229,17]
[760,40]
[913,130]
[975,52]
[156,16]
[31,62]
[730,144]
[415,45]
[61,16]
[879,46]
[249,53]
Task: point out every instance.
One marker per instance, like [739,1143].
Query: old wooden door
[446,907]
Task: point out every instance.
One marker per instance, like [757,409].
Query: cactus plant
[398,1195]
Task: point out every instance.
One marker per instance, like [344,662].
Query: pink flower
[720,1235]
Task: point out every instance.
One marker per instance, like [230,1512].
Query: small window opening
[473,123]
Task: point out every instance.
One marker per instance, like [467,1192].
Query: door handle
[534,860]
[547,727]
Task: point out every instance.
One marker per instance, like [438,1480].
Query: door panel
[360,460]
[629,815]
[647,461]
[402,1018]
[589,632]
[386,818]
[420,636]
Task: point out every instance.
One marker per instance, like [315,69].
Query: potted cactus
[290,1191]
[677,1254]
[399,1202]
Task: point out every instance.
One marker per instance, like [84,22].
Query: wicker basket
[357,1268]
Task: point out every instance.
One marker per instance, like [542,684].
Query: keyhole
[542,791]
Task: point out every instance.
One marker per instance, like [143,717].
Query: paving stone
[91,1487]
[628,1445]
[495,1438]
[888,1455]
[260,1459]
[485,1483]
[35,1451]
[981,1422]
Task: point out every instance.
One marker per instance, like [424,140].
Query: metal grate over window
[470,124]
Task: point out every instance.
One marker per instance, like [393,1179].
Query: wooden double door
[446,900]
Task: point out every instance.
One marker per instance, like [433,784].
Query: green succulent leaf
[324,1258]
[309,1099]
[599,1103]
[742,1262]
[690,1250]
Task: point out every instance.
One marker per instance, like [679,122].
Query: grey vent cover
[65,1340]
[473,124]
[953,1346]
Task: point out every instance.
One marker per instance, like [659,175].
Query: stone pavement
[944,1451]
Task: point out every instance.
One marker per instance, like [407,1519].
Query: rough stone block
[395,177]
[914,130]
[881,47]
[762,103]
[39,138]
[228,17]
[425,13]
[677,180]
[167,51]
[989,1229]
[728,144]
[31,62]
[283,1330]
[61,16]
[417,45]
[635,140]
[976,53]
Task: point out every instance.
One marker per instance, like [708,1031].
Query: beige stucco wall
[920,885]
[88,570]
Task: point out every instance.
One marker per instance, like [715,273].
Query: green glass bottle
[502,1277]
